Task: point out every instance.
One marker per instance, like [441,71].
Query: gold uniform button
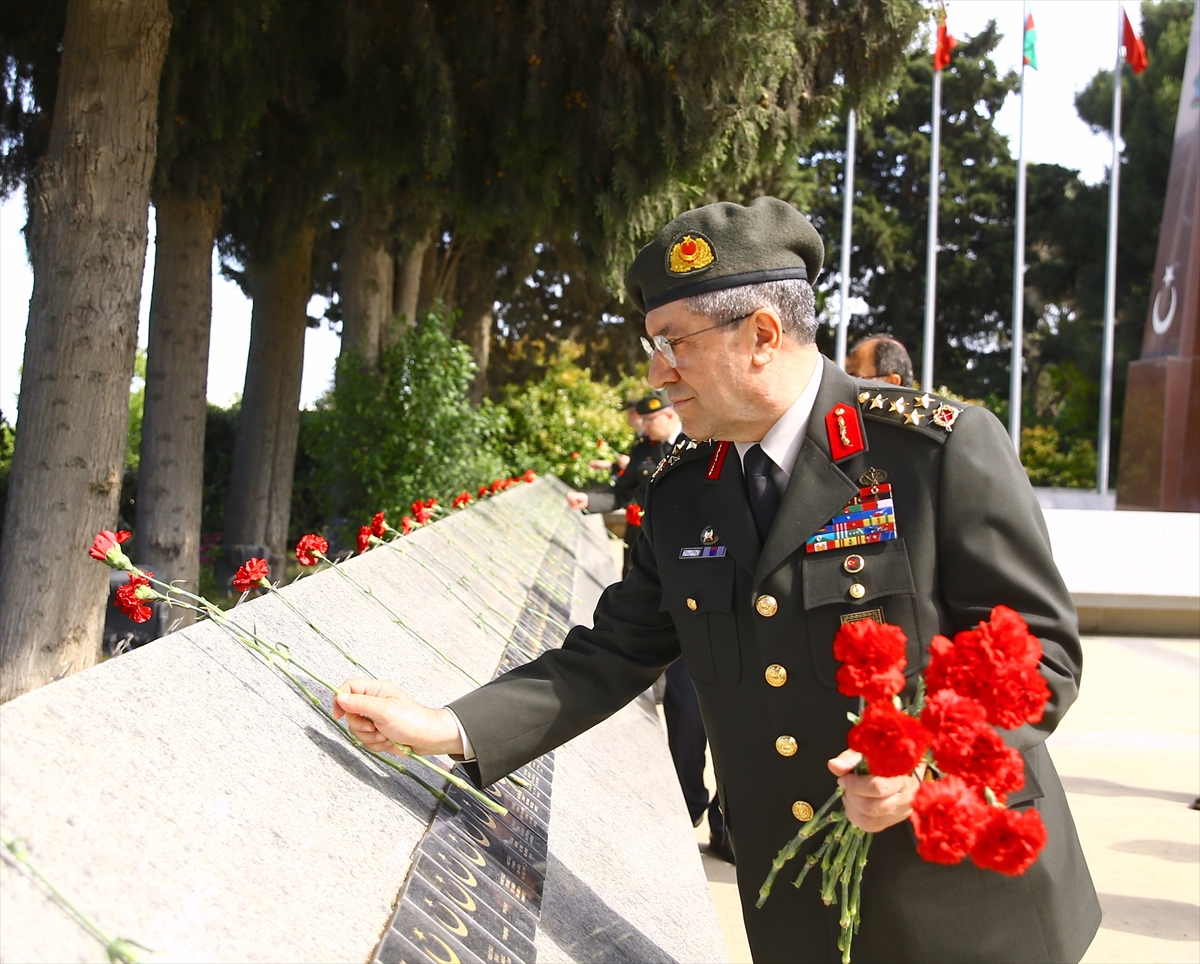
[776,675]
[691,604]
[786,746]
[802,810]
[858,590]
[766,605]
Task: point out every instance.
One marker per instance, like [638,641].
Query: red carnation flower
[1009,841]
[461,501]
[406,525]
[953,721]
[995,663]
[529,475]
[364,539]
[106,548]
[575,455]
[873,659]
[989,762]
[251,573]
[130,597]
[310,548]
[495,486]
[378,526]
[123,536]
[946,817]
[422,515]
[891,742]
[633,514]
[431,502]
[483,490]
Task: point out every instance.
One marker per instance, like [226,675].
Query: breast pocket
[698,593]
[886,592]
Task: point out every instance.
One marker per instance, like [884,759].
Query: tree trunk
[478,331]
[408,287]
[366,286]
[88,200]
[171,469]
[264,454]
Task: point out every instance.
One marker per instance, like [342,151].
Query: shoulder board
[931,415]
[685,449]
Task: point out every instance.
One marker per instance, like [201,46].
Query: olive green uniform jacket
[970,536]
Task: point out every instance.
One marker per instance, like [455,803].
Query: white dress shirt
[782,445]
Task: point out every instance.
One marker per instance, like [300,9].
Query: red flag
[1135,49]
[945,43]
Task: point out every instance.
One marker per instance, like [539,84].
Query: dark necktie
[764,494]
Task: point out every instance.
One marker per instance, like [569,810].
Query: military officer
[726,573]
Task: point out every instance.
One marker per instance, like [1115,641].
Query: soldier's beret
[722,246]
[656,401]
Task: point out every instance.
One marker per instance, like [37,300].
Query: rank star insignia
[913,418]
[923,400]
[863,396]
[899,405]
[877,401]
[946,416]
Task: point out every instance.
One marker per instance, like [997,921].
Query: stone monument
[187,796]
[1159,465]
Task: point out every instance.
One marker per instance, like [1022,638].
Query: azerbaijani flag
[1030,41]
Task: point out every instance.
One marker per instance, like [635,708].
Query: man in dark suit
[723,574]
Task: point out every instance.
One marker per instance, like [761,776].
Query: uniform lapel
[818,489]
[727,509]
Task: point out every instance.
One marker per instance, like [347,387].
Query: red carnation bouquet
[986,678]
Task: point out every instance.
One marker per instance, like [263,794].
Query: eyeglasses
[666,346]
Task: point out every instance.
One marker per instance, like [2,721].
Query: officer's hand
[577,500]
[622,462]
[380,714]
[872,803]
[600,465]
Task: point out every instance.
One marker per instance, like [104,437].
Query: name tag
[702,552]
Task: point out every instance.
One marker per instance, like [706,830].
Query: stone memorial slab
[188,796]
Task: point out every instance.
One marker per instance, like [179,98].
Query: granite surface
[189,798]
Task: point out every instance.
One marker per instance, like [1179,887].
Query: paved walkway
[1129,756]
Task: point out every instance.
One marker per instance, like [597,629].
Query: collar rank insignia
[868,518]
[717,462]
[845,431]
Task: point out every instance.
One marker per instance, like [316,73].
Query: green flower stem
[117,949]
[274,590]
[464,785]
[812,859]
[396,618]
[844,877]
[828,876]
[815,825]
[856,891]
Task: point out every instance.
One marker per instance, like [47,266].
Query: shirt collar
[675,435]
[783,439]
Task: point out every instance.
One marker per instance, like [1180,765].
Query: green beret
[656,401]
[723,246]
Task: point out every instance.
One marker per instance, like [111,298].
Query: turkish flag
[1135,49]
[945,43]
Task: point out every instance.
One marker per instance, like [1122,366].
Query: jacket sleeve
[994,548]
[543,704]
[621,492]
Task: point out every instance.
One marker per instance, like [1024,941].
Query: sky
[1076,38]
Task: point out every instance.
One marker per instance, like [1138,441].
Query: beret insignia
[654,404]
[692,252]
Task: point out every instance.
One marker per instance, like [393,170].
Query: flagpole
[1018,309]
[1110,275]
[847,217]
[931,237]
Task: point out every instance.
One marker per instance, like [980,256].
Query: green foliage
[220,433]
[137,408]
[8,438]
[383,440]
[1048,460]
[555,425]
